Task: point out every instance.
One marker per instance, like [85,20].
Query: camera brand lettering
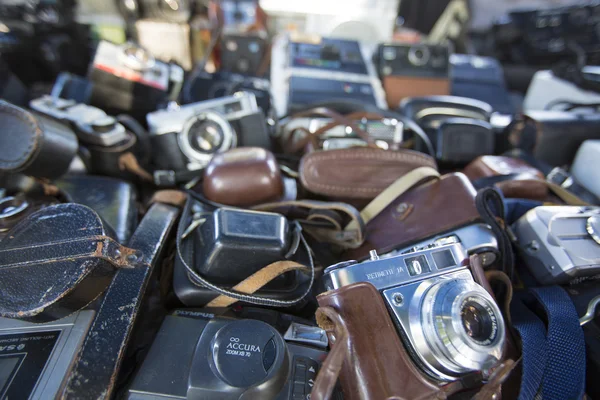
[384,273]
[234,343]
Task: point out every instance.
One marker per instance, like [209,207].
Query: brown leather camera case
[243,177]
[399,87]
[374,363]
[435,207]
[358,172]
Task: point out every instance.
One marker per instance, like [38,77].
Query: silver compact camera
[449,323]
[387,133]
[187,137]
[560,243]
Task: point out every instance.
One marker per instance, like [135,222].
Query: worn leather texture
[485,166]
[243,177]
[357,173]
[398,88]
[524,189]
[43,291]
[33,144]
[374,362]
[432,208]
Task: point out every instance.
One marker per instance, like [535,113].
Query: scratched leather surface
[46,291]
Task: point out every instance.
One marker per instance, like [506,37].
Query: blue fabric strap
[553,354]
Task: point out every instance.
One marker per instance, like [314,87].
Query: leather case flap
[435,207]
[357,173]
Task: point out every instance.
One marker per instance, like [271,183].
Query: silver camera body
[560,243]
[200,130]
[449,323]
[387,133]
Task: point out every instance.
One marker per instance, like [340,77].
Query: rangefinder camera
[229,359]
[449,323]
[188,137]
[560,243]
[387,133]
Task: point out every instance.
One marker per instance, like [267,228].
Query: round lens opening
[205,136]
[477,321]
[419,54]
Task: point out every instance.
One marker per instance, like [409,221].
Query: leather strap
[395,190]
[128,162]
[257,280]
[349,238]
[566,196]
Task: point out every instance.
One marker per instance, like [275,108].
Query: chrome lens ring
[229,139]
[419,55]
[457,345]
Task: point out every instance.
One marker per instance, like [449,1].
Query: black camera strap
[243,291]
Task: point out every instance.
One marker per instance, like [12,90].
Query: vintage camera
[449,323]
[202,85]
[544,37]
[36,359]
[409,70]
[229,359]
[128,79]
[102,135]
[188,137]
[232,244]
[386,133]
[244,53]
[560,243]
[306,71]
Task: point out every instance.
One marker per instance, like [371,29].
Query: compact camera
[244,53]
[36,359]
[198,356]
[450,324]
[560,243]
[188,137]
[128,79]
[386,133]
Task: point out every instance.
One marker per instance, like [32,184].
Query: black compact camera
[204,85]
[41,38]
[545,37]
[186,138]
[105,138]
[198,356]
[232,244]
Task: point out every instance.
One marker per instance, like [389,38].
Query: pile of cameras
[114,125]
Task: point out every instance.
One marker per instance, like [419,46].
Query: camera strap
[553,344]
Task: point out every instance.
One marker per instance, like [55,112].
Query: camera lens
[419,55]
[462,326]
[205,136]
[476,321]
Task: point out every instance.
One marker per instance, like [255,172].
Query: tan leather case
[374,363]
[399,87]
[357,173]
[435,207]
